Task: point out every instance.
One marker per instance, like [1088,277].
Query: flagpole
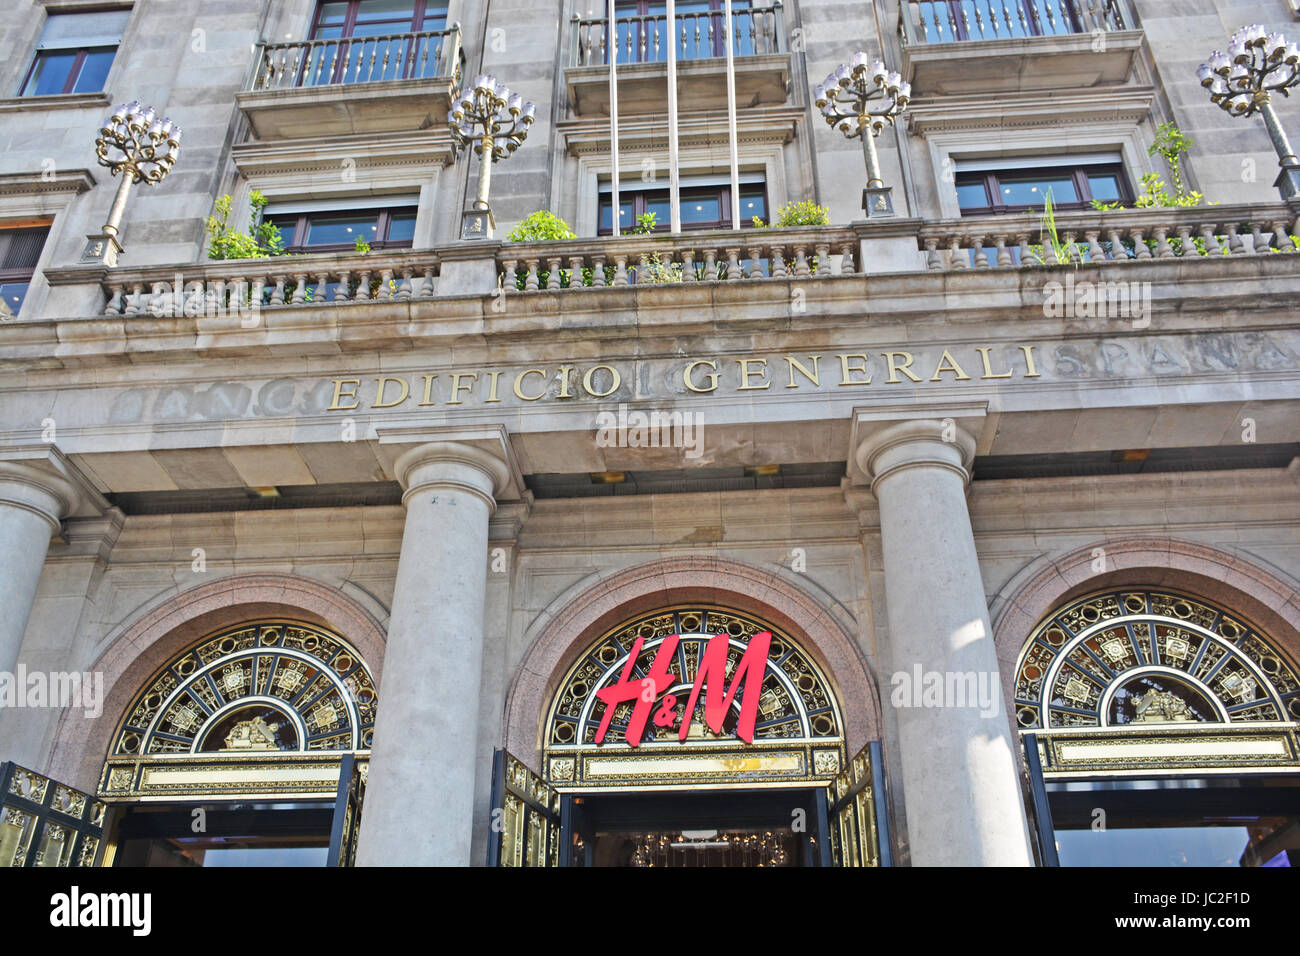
[611,33]
[731,115]
[674,190]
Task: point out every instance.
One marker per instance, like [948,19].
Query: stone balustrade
[237,286]
[810,252]
[804,252]
[1114,235]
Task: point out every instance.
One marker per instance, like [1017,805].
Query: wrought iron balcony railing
[698,34]
[399,56]
[948,21]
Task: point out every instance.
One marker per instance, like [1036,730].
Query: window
[344,19]
[991,187]
[75,52]
[338,229]
[702,205]
[373,42]
[20,250]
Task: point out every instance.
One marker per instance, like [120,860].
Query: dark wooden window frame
[414,25]
[721,192]
[1078,173]
[383,223]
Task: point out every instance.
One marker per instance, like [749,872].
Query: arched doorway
[1161,728]
[233,752]
[691,733]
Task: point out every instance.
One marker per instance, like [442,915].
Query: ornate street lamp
[142,147]
[859,98]
[1242,82]
[497,120]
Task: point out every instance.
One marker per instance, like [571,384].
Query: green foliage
[263,238]
[645,224]
[541,226]
[361,246]
[1065,251]
[797,214]
[1170,143]
[658,272]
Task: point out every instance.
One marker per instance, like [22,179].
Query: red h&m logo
[711,677]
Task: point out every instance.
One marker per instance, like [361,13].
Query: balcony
[373,84]
[759,49]
[990,46]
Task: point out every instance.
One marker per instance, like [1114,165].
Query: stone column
[961,789]
[419,801]
[33,501]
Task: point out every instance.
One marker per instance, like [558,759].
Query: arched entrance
[690,725]
[1161,728]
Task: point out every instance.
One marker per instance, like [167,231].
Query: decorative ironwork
[347,810]
[1133,656]
[255,688]
[45,823]
[855,808]
[798,733]
[525,828]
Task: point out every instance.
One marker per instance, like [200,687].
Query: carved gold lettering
[339,394]
[588,381]
[895,368]
[428,390]
[814,376]
[565,372]
[492,387]
[382,382]
[988,368]
[1029,362]
[457,387]
[711,375]
[846,369]
[746,373]
[519,380]
[948,364]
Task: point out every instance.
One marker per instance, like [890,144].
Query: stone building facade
[334,528]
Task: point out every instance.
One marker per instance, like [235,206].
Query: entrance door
[526,825]
[720,828]
[856,811]
[47,823]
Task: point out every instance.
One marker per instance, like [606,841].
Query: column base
[878,202]
[477,222]
[102,248]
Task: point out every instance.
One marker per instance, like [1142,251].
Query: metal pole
[485,170]
[731,116]
[119,201]
[874,177]
[1285,155]
[674,190]
[611,32]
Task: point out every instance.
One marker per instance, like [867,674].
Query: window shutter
[21,248]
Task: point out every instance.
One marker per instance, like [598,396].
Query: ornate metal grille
[254,689]
[798,733]
[46,823]
[1141,657]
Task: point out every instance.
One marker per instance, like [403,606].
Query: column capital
[39,490]
[918,443]
[452,465]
